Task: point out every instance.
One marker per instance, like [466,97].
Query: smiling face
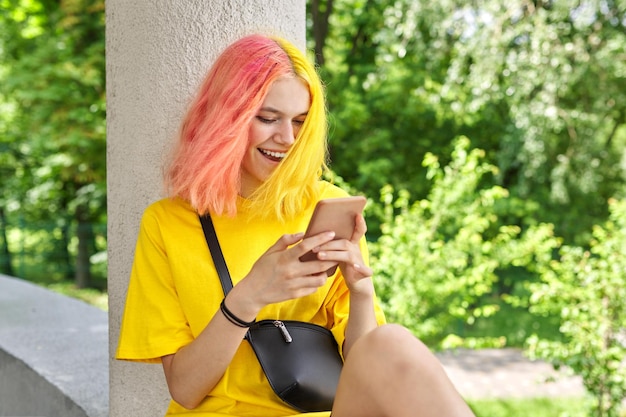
[273,131]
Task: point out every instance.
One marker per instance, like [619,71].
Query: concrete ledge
[53,353]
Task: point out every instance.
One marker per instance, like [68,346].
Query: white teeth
[280,155]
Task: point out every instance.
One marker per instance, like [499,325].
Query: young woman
[251,151]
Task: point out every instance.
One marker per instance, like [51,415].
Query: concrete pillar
[157,52]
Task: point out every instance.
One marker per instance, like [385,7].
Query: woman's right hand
[279,275]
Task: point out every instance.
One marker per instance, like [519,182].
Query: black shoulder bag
[301,360]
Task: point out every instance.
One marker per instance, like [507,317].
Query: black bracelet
[234,319]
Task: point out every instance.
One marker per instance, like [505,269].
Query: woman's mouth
[272,155]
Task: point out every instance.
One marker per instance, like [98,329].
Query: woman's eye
[265,120]
[298,122]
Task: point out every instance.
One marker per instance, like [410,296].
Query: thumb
[360,227]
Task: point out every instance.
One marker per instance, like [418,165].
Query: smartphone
[337,215]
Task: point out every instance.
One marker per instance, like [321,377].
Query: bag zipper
[283,330]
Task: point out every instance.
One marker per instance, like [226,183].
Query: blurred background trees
[52,140]
[540,86]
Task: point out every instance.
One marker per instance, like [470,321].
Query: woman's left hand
[348,254]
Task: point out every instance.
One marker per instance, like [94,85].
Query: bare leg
[390,373]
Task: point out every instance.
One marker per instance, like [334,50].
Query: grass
[55,281]
[91,296]
[535,407]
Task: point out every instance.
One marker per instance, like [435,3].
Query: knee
[390,337]
[390,332]
[396,347]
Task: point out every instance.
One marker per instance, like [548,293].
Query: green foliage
[52,134]
[511,325]
[439,258]
[539,86]
[585,288]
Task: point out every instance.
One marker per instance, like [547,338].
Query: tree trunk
[64,259]
[5,253]
[85,236]
[320,10]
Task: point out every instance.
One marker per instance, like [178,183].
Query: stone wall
[53,353]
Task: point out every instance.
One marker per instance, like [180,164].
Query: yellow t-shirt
[174,291]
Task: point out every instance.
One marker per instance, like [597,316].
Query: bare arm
[361,319]
[362,316]
[193,371]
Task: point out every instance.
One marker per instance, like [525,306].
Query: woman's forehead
[288,95]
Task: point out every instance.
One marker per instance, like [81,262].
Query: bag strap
[218,257]
[216,253]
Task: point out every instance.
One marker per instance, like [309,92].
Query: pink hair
[205,165]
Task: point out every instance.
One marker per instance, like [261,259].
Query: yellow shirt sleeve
[153,324]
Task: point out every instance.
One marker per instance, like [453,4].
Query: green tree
[53,79]
[538,85]
[438,257]
[585,288]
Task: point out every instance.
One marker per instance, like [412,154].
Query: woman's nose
[287,134]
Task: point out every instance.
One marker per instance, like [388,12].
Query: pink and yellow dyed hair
[205,166]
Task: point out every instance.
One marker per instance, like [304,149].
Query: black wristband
[234,319]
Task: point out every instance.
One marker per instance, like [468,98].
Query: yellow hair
[293,186]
